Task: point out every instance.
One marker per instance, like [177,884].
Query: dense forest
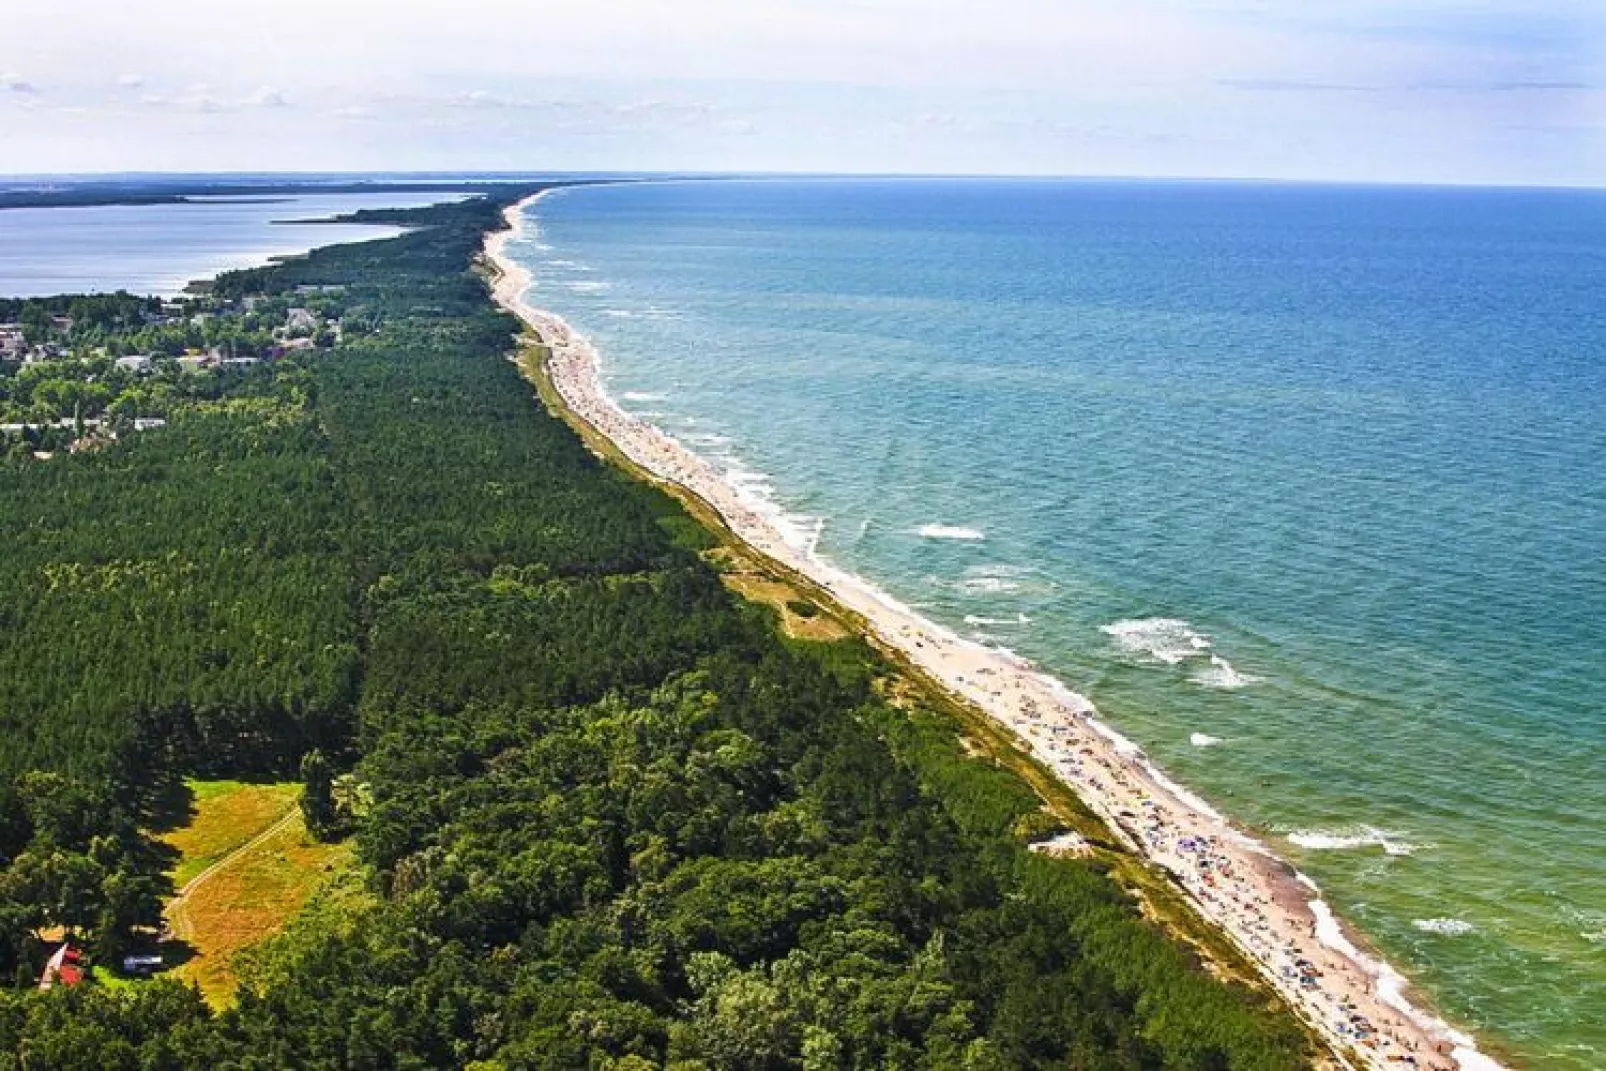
[611,816]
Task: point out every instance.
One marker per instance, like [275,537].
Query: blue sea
[158,249]
[1304,486]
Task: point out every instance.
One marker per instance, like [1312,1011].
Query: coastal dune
[1273,913]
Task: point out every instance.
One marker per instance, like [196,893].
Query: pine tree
[317,795]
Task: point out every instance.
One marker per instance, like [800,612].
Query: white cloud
[206,99]
[267,97]
[15,83]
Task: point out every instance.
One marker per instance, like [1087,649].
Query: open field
[222,816]
[247,867]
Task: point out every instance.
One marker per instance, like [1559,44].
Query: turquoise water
[157,249]
[1304,486]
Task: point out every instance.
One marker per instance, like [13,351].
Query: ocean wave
[1221,674]
[586,286]
[994,622]
[619,314]
[1203,740]
[756,490]
[709,438]
[950,531]
[1160,639]
[1446,927]
[642,396]
[1171,641]
[998,578]
[988,585]
[1323,840]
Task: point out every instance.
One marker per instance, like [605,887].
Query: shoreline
[1354,1001]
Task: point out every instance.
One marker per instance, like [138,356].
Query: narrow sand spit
[1272,912]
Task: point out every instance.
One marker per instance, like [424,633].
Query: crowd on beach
[1232,880]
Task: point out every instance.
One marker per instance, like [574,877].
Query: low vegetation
[247,896]
[221,816]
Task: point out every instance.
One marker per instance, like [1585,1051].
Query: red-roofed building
[66,967]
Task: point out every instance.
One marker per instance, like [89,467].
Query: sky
[1503,91]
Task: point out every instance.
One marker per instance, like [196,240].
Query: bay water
[160,248]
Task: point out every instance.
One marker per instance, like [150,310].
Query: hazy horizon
[380,176]
[1420,91]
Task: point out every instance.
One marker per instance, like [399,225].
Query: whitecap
[1444,926]
[619,314]
[987,585]
[1159,639]
[950,531]
[995,622]
[1203,740]
[1321,840]
[642,396]
[1221,674]
[586,286]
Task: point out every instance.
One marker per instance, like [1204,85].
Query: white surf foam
[1179,792]
[586,286]
[710,438]
[1322,840]
[987,585]
[1171,641]
[996,622]
[1446,927]
[1159,639]
[950,531]
[1390,986]
[1221,674]
[642,396]
[1203,740]
[756,490]
[998,578]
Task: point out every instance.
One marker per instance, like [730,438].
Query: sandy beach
[1273,913]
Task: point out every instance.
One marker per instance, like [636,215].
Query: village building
[301,320]
[65,967]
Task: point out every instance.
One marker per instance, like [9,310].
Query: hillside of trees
[611,817]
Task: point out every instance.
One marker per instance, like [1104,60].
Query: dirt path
[177,908]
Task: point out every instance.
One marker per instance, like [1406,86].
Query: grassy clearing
[799,616]
[222,816]
[247,867]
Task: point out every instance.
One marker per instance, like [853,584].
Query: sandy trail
[1273,913]
[177,910]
